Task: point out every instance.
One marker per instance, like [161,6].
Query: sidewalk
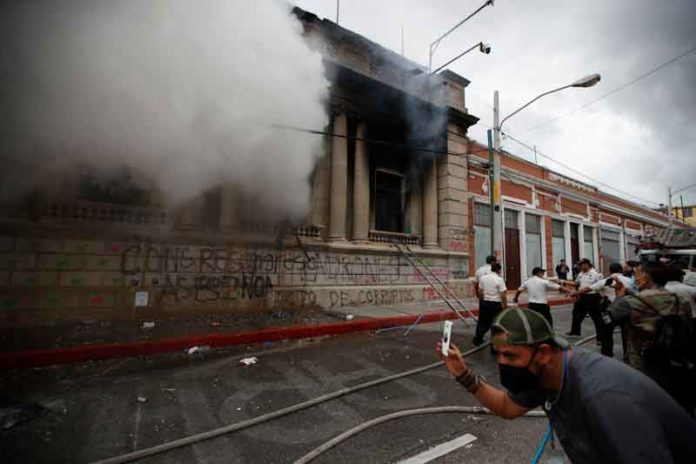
[355,319]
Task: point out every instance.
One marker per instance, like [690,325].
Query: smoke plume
[184,93]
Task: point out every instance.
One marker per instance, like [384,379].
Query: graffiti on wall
[204,274]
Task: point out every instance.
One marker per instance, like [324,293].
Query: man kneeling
[600,409]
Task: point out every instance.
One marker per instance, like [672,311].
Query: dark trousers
[588,303]
[606,335]
[542,309]
[488,310]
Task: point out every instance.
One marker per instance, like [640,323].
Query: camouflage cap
[526,327]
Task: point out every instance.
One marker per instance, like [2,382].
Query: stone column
[320,189]
[416,211]
[430,207]
[228,210]
[339,179]
[361,188]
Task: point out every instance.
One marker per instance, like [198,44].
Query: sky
[639,140]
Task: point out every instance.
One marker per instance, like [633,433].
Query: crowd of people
[640,409]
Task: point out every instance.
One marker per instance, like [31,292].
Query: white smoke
[184,92]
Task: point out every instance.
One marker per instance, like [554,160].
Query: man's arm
[503,293]
[495,399]
[519,292]
[597,286]
[554,286]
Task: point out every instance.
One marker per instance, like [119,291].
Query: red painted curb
[39,358]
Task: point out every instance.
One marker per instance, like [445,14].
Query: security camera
[485,48]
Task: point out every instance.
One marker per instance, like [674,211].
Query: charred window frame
[389,200]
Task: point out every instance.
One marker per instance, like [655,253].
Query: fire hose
[199,437]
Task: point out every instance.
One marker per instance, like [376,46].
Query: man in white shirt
[482,271]
[605,288]
[492,291]
[538,289]
[676,285]
[588,302]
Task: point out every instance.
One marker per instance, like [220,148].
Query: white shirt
[610,291]
[482,271]
[538,288]
[491,285]
[686,291]
[586,279]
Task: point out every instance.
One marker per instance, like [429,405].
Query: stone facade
[70,260]
[608,228]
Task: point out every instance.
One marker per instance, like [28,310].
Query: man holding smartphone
[600,409]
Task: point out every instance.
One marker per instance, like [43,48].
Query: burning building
[393,165]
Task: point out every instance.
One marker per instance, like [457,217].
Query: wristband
[470,381]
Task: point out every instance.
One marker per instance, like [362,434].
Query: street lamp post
[494,135]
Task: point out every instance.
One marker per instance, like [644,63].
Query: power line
[448,152]
[612,92]
[578,172]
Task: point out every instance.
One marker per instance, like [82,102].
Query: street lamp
[494,159]
[587,81]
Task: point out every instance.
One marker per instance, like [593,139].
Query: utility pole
[491,193]
[496,204]
[402,40]
[669,204]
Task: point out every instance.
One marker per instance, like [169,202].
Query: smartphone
[446,337]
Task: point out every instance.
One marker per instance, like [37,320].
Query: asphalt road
[80,414]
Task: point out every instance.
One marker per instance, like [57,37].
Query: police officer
[605,287]
[588,301]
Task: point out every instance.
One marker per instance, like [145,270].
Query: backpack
[673,345]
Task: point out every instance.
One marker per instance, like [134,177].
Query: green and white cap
[526,327]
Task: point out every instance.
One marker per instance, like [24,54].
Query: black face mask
[518,379]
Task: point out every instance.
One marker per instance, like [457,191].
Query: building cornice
[577,196]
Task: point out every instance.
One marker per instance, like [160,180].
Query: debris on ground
[142,399]
[249,361]
[215,324]
[198,349]
[349,317]
[148,325]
